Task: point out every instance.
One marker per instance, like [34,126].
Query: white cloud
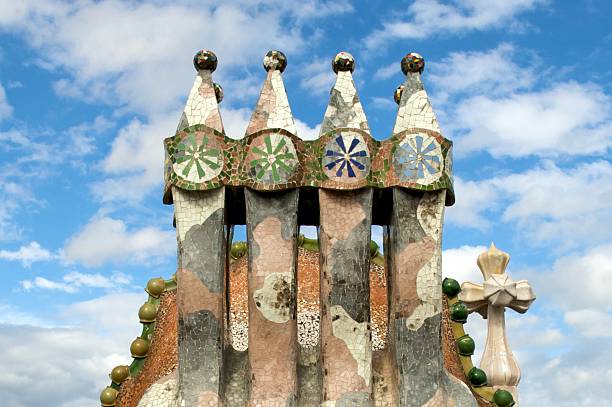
[460,263]
[105,239]
[74,281]
[317,76]
[146,74]
[568,118]
[6,110]
[493,72]
[546,203]
[388,71]
[578,281]
[590,322]
[28,254]
[70,363]
[425,18]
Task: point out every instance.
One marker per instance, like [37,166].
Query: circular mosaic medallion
[198,158]
[272,159]
[346,157]
[418,158]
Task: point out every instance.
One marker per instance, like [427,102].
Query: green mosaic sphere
[343,61]
[450,287]
[275,60]
[503,398]
[147,312]
[120,373]
[373,248]
[139,348]
[156,286]
[413,62]
[238,250]
[218,92]
[477,377]
[205,60]
[459,312]
[397,95]
[465,345]
[108,397]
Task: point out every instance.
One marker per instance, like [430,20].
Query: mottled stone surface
[414,256]
[346,348]
[272,232]
[344,109]
[201,282]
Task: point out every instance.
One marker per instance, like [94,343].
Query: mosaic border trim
[275,159]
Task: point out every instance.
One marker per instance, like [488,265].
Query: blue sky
[89,89]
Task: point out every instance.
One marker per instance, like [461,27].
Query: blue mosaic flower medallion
[272,159]
[418,159]
[346,157]
[198,158]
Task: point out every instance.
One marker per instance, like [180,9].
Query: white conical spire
[415,110]
[344,108]
[202,106]
[272,109]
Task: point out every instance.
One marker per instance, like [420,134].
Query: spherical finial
[275,60]
[413,62]
[139,348]
[343,61]
[120,373]
[503,398]
[205,60]
[397,95]
[156,286]
[147,313]
[108,397]
[218,92]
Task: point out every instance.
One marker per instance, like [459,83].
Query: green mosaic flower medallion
[418,158]
[272,159]
[198,158]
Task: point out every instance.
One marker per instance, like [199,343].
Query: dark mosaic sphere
[397,95]
[466,345]
[450,287]
[275,60]
[343,61]
[205,60]
[459,312]
[503,398]
[477,377]
[108,397]
[120,373]
[147,312]
[218,92]
[413,62]
[139,348]
[156,287]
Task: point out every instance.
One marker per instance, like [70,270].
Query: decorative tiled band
[201,158]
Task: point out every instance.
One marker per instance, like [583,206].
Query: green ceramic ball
[503,398]
[477,377]
[120,373]
[450,287]
[459,312]
[466,345]
[108,397]
[156,286]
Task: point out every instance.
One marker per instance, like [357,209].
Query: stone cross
[490,300]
